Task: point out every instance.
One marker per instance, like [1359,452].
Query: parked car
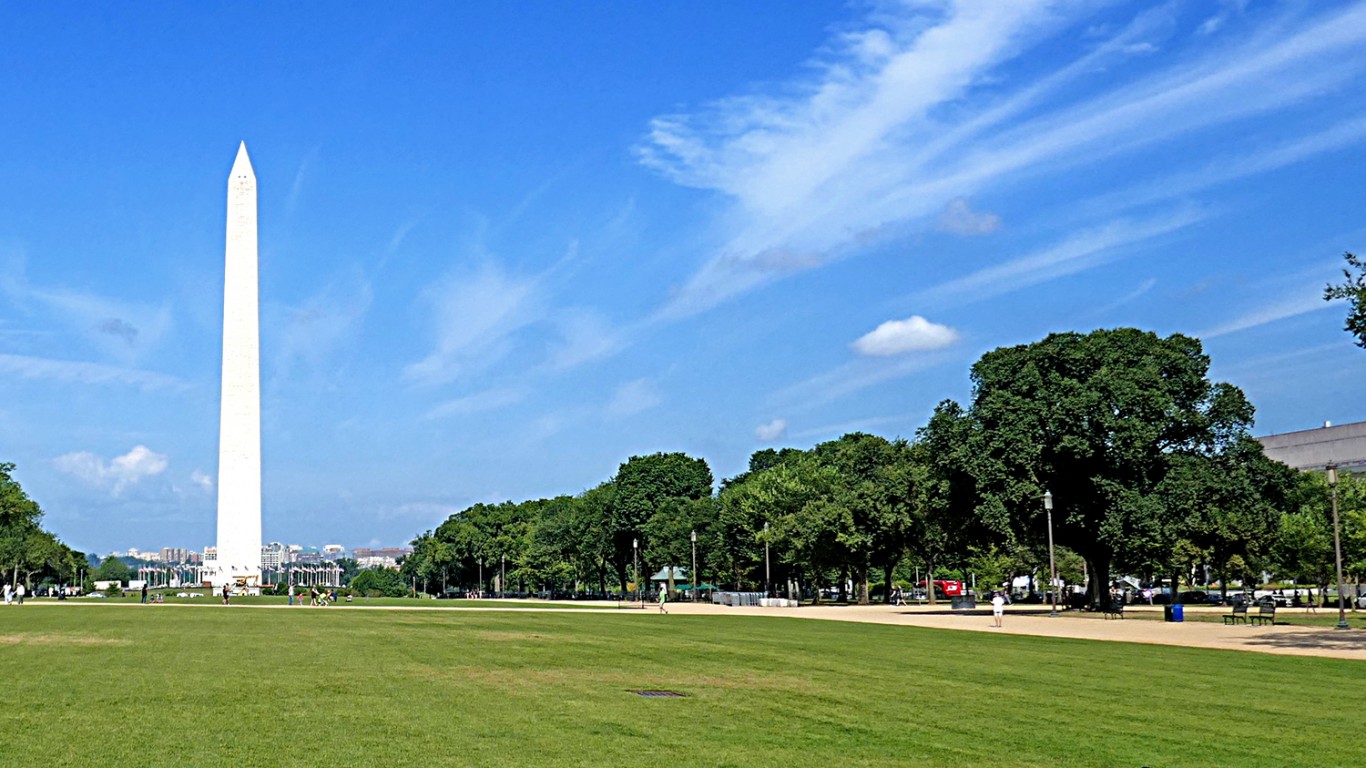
[1361,601]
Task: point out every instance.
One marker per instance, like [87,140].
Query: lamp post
[1337,542]
[1052,569]
[694,578]
[767,588]
[635,565]
[502,576]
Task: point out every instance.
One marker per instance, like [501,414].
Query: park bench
[1239,614]
[1266,613]
[1115,609]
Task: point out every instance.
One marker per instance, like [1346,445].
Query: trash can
[1174,612]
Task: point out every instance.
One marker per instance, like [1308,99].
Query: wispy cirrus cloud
[322,323]
[852,377]
[119,330]
[909,111]
[479,402]
[1074,253]
[633,397]
[476,314]
[1299,301]
[81,372]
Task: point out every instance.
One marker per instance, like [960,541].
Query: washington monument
[239,425]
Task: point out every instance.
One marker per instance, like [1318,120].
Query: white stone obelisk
[239,426]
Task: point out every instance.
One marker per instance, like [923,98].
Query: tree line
[1150,465]
[28,552]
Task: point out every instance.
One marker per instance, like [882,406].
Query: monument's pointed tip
[243,160]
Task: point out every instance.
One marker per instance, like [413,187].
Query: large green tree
[643,486]
[1098,419]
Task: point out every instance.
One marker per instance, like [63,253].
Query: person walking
[144,593]
[9,594]
[663,598]
[19,591]
[226,594]
[998,608]
[291,594]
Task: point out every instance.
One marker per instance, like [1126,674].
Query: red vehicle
[946,588]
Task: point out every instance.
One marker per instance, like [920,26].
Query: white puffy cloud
[774,430]
[116,474]
[958,218]
[202,479]
[897,337]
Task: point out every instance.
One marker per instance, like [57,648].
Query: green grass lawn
[97,685]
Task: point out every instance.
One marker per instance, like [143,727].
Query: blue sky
[504,247]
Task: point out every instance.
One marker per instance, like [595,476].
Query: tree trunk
[1098,587]
[929,581]
[863,585]
[887,583]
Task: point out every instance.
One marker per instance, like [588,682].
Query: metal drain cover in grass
[659,694]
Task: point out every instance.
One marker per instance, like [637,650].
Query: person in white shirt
[998,607]
[9,594]
[19,592]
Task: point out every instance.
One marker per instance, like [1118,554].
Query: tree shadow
[1323,639]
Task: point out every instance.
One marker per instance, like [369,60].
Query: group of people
[14,593]
[316,597]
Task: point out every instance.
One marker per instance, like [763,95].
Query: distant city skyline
[505,248]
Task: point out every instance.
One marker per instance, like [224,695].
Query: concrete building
[1344,445]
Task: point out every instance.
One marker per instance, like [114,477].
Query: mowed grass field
[97,685]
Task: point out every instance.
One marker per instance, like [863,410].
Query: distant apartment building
[193,558]
[210,553]
[333,551]
[175,555]
[384,557]
[273,555]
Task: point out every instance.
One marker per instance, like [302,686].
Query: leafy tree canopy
[1353,291]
